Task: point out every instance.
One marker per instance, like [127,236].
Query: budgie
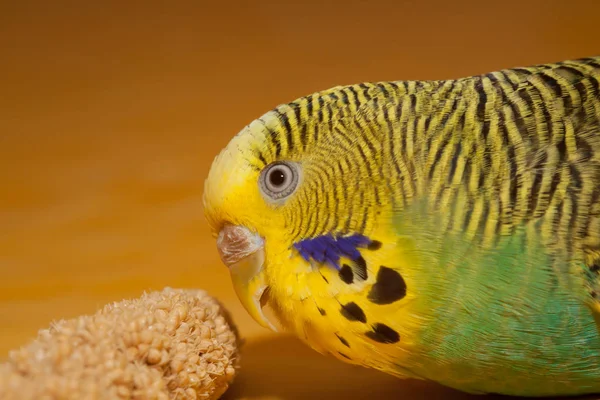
[442,230]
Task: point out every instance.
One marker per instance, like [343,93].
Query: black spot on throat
[388,288]
[374,245]
[344,341]
[361,268]
[352,312]
[383,334]
[346,274]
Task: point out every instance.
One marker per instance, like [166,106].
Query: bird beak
[243,253]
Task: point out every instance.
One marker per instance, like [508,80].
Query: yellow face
[232,193]
[247,206]
[296,185]
[274,187]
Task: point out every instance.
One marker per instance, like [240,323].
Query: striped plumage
[476,188]
[416,137]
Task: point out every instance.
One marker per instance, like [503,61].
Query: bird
[440,230]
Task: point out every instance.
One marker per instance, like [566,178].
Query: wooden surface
[111,114]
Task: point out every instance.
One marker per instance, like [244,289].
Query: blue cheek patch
[329,249]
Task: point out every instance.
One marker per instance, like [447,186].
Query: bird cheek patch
[331,249]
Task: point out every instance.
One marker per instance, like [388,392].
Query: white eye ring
[279,180]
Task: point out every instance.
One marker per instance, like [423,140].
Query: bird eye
[279,180]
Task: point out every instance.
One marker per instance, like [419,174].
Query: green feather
[507,319]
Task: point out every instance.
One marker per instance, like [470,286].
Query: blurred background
[111,113]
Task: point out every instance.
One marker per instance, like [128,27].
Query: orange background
[111,113]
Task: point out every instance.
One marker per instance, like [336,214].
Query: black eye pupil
[277,178]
